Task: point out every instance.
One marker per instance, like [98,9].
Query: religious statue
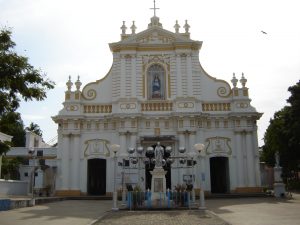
[156,86]
[159,154]
[277,159]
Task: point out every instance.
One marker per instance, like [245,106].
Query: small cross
[154,8]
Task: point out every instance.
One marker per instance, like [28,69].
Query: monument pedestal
[158,183]
[279,187]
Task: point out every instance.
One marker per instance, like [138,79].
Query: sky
[70,37]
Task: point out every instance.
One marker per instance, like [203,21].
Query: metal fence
[170,199]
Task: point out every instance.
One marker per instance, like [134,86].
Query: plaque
[158,185]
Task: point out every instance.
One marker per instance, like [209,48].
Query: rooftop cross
[154,8]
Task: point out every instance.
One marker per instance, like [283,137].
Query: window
[156,82]
[39,153]
[26,174]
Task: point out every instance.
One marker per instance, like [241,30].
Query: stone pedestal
[279,187]
[158,183]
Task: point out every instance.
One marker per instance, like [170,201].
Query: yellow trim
[95,82]
[217,80]
[135,47]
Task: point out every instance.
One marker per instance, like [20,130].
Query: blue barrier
[4,204]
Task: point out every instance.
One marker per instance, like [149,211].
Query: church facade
[157,91]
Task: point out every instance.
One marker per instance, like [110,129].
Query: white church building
[157,91]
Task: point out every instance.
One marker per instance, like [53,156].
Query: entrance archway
[96,182]
[219,174]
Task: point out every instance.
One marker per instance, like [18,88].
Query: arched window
[156,82]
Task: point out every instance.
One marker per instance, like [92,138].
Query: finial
[176,26]
[69,84]
[243,80]
[78,83]
[154,8]
[186,27]
[234,80]
[133,28]
[123,28]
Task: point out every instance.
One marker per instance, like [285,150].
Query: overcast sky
[70,37]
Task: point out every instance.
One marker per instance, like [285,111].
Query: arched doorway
[219,175]
[96,182]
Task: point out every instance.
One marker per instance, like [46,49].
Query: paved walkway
[242,211]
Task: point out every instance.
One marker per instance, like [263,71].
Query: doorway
[219,174]
[96,182]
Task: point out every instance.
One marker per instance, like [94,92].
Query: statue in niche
[156,87]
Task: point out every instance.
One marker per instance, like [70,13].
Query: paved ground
[244,211]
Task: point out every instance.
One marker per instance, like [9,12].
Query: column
[65,162]
[123,76]
[123,151]
[133,140]
[239,159]
[256,158]
[192,141]
[178,76]
[133,77]
[189,75]
[75,163]
[250,160]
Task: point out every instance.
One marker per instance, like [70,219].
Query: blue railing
[149,200]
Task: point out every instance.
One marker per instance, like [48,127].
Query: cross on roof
[154,8]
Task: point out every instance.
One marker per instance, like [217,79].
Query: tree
[35,128]
[12,124]
[282,135]
[18,79]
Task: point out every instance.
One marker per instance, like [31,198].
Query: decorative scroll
[218,145]
[97,147]
[223,92]
[91,94]
[127,106]
[185,105]
[72,108]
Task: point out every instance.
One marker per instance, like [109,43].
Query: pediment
[155,36]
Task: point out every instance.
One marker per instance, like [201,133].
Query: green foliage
[282,135]
[35,128]
[18,79]
[10,168]
[4,147]
[12,124]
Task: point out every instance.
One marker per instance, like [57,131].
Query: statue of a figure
[277,159]
[156,87]
[159,154]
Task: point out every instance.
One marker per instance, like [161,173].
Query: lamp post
[115,148]
[200,147]
[31,152]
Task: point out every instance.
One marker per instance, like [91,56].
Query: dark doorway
[149,167]
[96,177]
[219,175]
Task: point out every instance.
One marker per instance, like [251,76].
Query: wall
[13,187]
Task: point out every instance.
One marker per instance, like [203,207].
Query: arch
[156,81]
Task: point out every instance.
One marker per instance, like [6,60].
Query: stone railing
[97,108]
[216,107]
[156,106]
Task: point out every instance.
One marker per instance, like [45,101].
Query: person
[156,87]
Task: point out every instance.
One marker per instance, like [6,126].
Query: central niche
[156,82]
